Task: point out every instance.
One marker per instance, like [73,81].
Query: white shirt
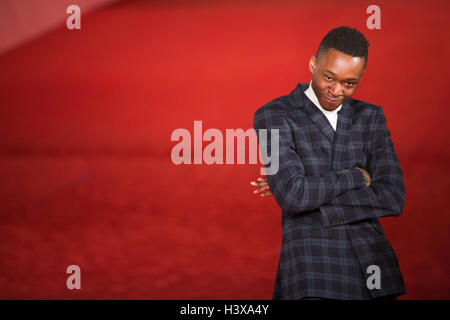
[332,116]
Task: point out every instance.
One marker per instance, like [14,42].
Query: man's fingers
[261,189]
[262,185]
[259,184]
[265,194]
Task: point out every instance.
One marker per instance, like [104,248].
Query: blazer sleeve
[386,194]
[292,189]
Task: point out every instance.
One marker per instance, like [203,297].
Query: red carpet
[85,124]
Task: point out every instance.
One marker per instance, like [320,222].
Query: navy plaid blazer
[330,230]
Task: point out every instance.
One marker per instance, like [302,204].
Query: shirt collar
[312,96]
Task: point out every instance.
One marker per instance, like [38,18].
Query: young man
[338,172]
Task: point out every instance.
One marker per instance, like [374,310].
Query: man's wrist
[353,177]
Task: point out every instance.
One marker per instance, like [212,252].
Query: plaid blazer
[330,231]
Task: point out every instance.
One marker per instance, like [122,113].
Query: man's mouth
[331,100]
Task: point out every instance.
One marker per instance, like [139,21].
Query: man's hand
[366,175]
[262,185]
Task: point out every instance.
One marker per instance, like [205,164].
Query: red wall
[85,123]
[24,20]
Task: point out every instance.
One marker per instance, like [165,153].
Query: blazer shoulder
[277,107]
[364,108]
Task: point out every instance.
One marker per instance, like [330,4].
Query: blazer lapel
[343,131]
[319,119]
[299,99]
[338,139]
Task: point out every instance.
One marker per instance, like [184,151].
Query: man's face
[335,77]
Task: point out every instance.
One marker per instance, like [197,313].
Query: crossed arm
[264,189]
[382,194]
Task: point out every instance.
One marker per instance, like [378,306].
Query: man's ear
[312,63]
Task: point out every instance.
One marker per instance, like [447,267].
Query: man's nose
[336,89]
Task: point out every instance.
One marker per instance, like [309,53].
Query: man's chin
[327,106]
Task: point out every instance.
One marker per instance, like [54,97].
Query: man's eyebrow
[334,74]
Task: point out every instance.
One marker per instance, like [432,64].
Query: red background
[85,123]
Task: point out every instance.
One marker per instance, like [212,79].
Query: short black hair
[346,40]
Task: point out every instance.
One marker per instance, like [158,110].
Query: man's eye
[350,84]
[327,77]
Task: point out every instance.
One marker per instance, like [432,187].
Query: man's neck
[313,97]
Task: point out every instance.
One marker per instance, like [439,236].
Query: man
[338,173]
